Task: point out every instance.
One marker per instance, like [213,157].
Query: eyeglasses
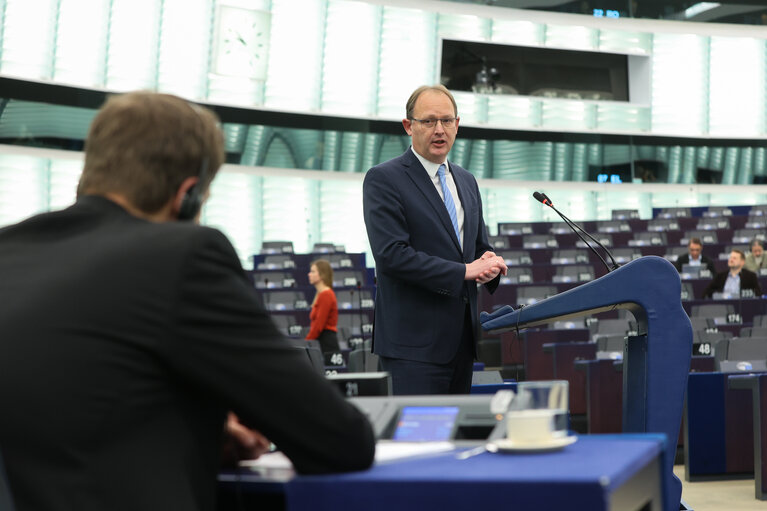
[430,123]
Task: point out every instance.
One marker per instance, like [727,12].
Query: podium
[656,361]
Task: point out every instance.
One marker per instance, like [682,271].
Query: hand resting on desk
[242,443]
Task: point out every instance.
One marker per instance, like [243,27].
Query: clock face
[242,42]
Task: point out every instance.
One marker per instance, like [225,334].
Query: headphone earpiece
[192,201]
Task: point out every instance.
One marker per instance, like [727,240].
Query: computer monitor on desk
[435,418]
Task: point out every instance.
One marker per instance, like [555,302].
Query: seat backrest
[747,348]
[277,247]
[515,257]
[539,241]
[611,343]
[531,294]
[706,236]
[717,211]
[625,255]
[688,291]
[362,360]
[712,337]
[323,248]
[701,324]
[624,214]
[574,273]
[314,352]
[570,256]
[649,238]
[346,278]
[753,331]
[272,279]
[674,212]
[614,326]
[605,239]
[712,310]
[663,224]
[499,242]
[282,300]
[517,275]
[353,298]
[514,228]
[710,224]
[613,226]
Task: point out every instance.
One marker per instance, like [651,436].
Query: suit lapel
[420,178]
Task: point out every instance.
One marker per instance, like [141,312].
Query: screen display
[425,423]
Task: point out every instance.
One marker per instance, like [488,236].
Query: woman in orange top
[324,315]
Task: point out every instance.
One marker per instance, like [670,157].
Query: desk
[610,472]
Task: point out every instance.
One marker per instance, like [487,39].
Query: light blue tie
[449,204]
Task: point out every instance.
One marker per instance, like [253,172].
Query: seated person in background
[735,280]
[324,315]
[694,257]
[755,261]
[118,374]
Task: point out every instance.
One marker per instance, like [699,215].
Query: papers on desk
[390,451]
[277,465]
[273,465]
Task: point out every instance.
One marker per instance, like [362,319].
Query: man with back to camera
[695,257]
[735,280]
[423,216]
[129,335]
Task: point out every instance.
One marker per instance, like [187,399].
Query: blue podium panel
[595,473]
[657,360]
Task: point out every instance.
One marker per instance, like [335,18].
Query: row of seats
[630,239]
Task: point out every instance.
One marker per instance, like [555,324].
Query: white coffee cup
[537,413]
[532,426]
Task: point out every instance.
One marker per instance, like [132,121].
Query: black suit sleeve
[716,285]
[224,342]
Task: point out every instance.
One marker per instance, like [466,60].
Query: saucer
[506,445]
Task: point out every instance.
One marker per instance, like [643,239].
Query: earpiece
[192,201]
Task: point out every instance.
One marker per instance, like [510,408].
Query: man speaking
[423,216]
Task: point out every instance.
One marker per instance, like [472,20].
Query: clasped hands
[486,268]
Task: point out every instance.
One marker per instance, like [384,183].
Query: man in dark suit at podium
[735,280]
[129,333]
[423,216]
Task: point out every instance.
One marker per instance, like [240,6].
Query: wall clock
[241,42]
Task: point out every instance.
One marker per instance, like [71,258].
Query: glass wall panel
[680,84]
[736,105]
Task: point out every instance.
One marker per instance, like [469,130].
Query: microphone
[543,199]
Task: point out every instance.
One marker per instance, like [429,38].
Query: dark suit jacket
[124,343]
[421,294]
[748,280]
[685,259]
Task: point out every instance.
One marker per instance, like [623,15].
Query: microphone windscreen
[539,196]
